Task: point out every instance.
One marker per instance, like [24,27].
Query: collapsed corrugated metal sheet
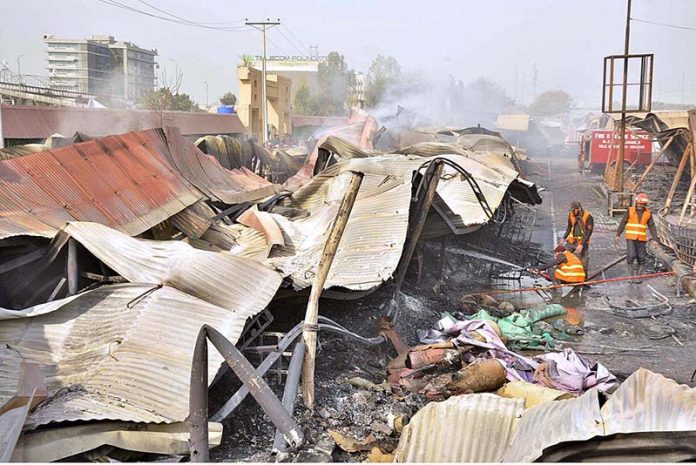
[359,131]
[129,182]
[372,242]
[376,231]
[50,445]
[645,402]
[120,181]
[120,352]
[206,173]
[576,419]
[200,273]
[467,428]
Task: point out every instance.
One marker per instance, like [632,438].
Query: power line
[302,45]
[164,18]
[188,21]
[663,24]
[282,50]
[290,42]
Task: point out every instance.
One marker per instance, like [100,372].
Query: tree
[164,99]
[384,75]
[228,99]
[304,103]
[334,82]
[551,103]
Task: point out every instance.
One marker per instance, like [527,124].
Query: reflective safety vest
[637,230]
[572,271]
[572,239]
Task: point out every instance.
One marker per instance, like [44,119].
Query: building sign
[638,146]
[290,58]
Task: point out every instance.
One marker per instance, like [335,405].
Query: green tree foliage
[228,99]
[384,74]
[304,102]
[551,103]
[164,99]
[334,83]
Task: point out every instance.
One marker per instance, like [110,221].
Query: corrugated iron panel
[116,181]
[467,428]
[553,422]
[40,122]
[120,352]
[206,173]
[648,402]
[200,273]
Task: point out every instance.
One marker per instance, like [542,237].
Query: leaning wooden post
[652,163]
[417,226]
[309,331]
[677,177]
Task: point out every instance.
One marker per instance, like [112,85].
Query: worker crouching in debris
[636,222]
[578,231]
[568,267]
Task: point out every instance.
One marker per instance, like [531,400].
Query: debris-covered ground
[353,396]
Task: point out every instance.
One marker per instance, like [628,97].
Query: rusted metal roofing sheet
[124,182]
[202,274]
[120,352]
[466,428]
[206,173]
[40,122]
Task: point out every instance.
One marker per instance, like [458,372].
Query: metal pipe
[292,383]
[72,267]
[198,396]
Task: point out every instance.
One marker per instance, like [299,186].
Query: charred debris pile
[136,269]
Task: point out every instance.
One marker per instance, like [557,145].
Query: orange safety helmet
[642,198]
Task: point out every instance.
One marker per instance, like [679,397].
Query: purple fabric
[569,372]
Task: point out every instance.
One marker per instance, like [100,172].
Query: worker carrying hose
[578,231]
[568,267]
[636,222]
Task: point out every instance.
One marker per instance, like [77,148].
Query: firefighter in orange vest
[568,266]
[636,222]
[578,231]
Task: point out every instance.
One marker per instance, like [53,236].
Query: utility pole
[263,26]
[534,81]
[206,96]
[624,85]
[682,87]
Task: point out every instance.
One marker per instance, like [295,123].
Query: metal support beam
[292,383]
[72,268]
[198,396]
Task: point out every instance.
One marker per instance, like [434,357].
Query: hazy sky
[566,39]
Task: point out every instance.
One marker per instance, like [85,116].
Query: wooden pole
[677,178]
[652,164]
[687,199]
[309,332]
[417,228]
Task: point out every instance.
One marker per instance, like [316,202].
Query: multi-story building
[101,66]
[299,69]
[249,102]
[358,86]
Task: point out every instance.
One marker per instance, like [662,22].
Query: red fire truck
[598,146]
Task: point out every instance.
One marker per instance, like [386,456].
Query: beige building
[301,70]
[249,102]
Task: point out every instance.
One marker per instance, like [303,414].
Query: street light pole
[263,26]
